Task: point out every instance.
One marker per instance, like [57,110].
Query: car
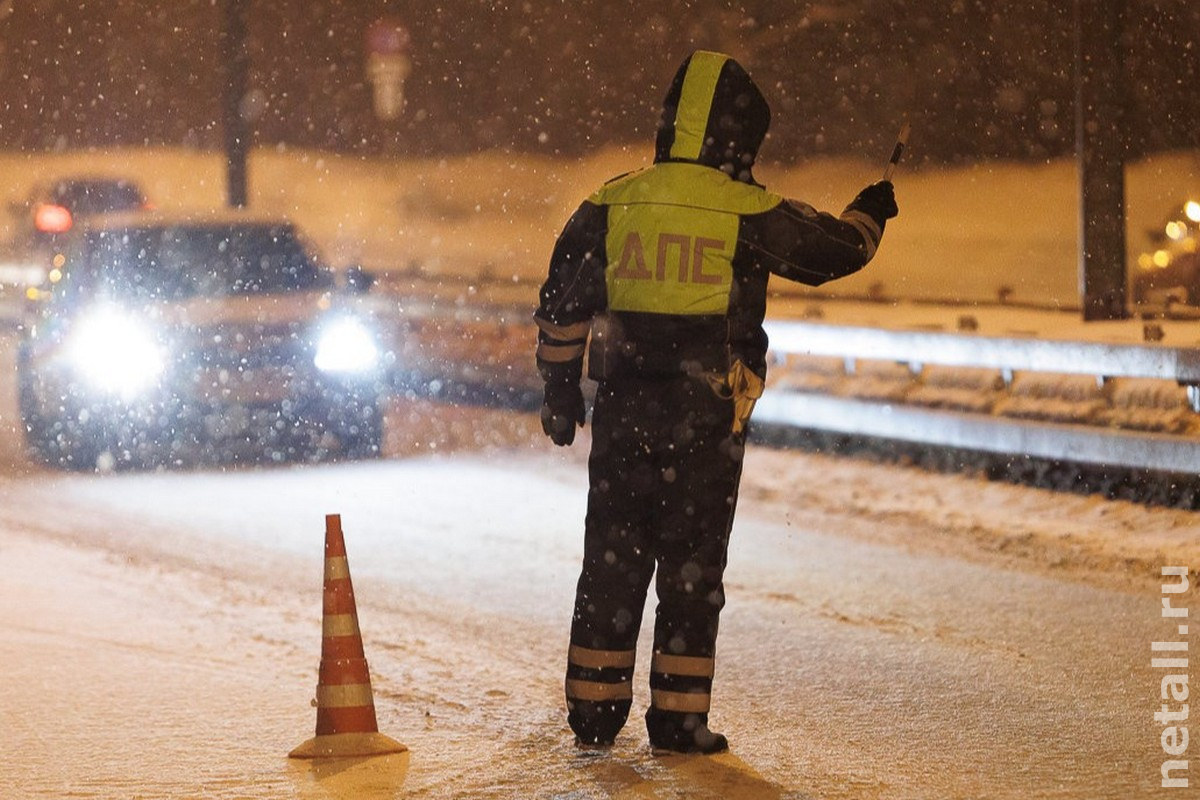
[1169,274]
[49,212]
[53,207]
[219,338]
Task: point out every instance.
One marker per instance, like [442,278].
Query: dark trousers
[664,472]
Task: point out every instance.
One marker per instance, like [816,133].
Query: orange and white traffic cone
[346,725]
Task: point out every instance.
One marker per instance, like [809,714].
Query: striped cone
[346,725]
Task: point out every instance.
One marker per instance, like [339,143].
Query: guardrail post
[1193,396]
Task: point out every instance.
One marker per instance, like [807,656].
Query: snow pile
[958,388]
[1087,537]
[1060,398]
[1150,405]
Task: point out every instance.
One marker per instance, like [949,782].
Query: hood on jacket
[713,115]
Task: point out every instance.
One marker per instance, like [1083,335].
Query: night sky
[562,78]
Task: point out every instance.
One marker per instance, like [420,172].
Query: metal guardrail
[1181,364]
[1064,441]
[1006,436]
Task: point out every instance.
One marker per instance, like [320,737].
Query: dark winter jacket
[666,269]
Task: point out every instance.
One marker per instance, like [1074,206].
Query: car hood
[280,310]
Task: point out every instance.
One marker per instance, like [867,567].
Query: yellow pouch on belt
[746,387]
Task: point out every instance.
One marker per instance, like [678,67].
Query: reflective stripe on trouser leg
[599,692]
[599,675]
[681,684]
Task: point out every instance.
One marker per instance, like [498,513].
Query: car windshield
[181,262]
[95,197]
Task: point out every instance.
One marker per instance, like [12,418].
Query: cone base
[348,745]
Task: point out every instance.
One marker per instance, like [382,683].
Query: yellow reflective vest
[671,238]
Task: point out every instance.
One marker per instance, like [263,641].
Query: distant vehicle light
[1176,230]
[50,218]
[1162,259]
[1192,210]
[115,354]
[345,345]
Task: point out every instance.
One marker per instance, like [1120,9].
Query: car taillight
[49,218]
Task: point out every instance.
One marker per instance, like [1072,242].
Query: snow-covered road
[889,634]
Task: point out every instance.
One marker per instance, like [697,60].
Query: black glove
[562,410]
[878,200]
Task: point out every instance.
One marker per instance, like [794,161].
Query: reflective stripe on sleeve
[685,702]
[563,333]
[560,353]
[868,227]
[597,692]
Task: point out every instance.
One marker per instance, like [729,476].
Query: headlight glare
[114,353]
[345,345]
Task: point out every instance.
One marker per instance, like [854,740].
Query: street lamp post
[1100,141]
[236,61]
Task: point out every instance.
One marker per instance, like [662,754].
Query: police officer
[665,271]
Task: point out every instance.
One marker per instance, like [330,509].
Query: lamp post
[1100,143]
[236,61]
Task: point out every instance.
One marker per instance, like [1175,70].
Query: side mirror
[358,280]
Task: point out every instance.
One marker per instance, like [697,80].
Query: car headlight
[346,345]
[114,353]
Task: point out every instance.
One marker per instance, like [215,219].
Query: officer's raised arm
[799,243]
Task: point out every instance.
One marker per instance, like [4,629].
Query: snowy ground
[890,633]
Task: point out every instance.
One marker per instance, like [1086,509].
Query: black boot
[674,732]
[592,748]
[596,725]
